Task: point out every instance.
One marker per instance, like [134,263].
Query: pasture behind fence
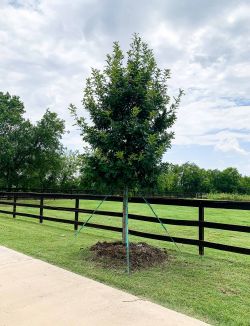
[200,222]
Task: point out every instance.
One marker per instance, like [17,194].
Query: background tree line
[32,156]
[190,178]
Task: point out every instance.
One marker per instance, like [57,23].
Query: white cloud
[228,143]
[47,49]
[223,127]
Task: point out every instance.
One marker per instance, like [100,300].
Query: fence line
[200,222]
[92,191]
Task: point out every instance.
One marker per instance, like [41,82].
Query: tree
[185,178]
[244,186]
[131,114]
[69,176]
[29,153]
[15,139]
[227,180]
[47,151]
[170,178]
[193,179]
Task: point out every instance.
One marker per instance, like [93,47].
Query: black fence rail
[11,199]
[199,195]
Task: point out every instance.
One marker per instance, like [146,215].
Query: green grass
[227,196]
[214,288]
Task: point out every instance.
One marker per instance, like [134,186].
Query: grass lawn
[214,288]
[226,196]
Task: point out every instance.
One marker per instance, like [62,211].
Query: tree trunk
[125,217]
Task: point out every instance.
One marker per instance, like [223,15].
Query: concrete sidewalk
[34,293]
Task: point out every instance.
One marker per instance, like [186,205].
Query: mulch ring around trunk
[142,255]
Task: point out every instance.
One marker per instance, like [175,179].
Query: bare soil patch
[142,255]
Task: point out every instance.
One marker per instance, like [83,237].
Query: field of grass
[227,196]
[214,288]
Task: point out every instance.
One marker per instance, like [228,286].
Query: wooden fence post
[201,229]
[41,210]
[76,214]
[14,206]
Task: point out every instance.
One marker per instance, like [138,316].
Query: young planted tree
[131,114]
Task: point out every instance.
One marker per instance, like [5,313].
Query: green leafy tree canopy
[30,154]
[131,115]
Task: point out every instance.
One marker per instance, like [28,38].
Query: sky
[47,49]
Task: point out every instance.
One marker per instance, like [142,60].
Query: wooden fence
[199,195]
[200,223]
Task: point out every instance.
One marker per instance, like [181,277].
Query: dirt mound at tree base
[142,255]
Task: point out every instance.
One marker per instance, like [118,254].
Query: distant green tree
[244,185]
[131,114]
[193,179]
[29,154]
[186,178]
[15,139]
[47,151]
[69,176]
[169,178]
[227,180]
